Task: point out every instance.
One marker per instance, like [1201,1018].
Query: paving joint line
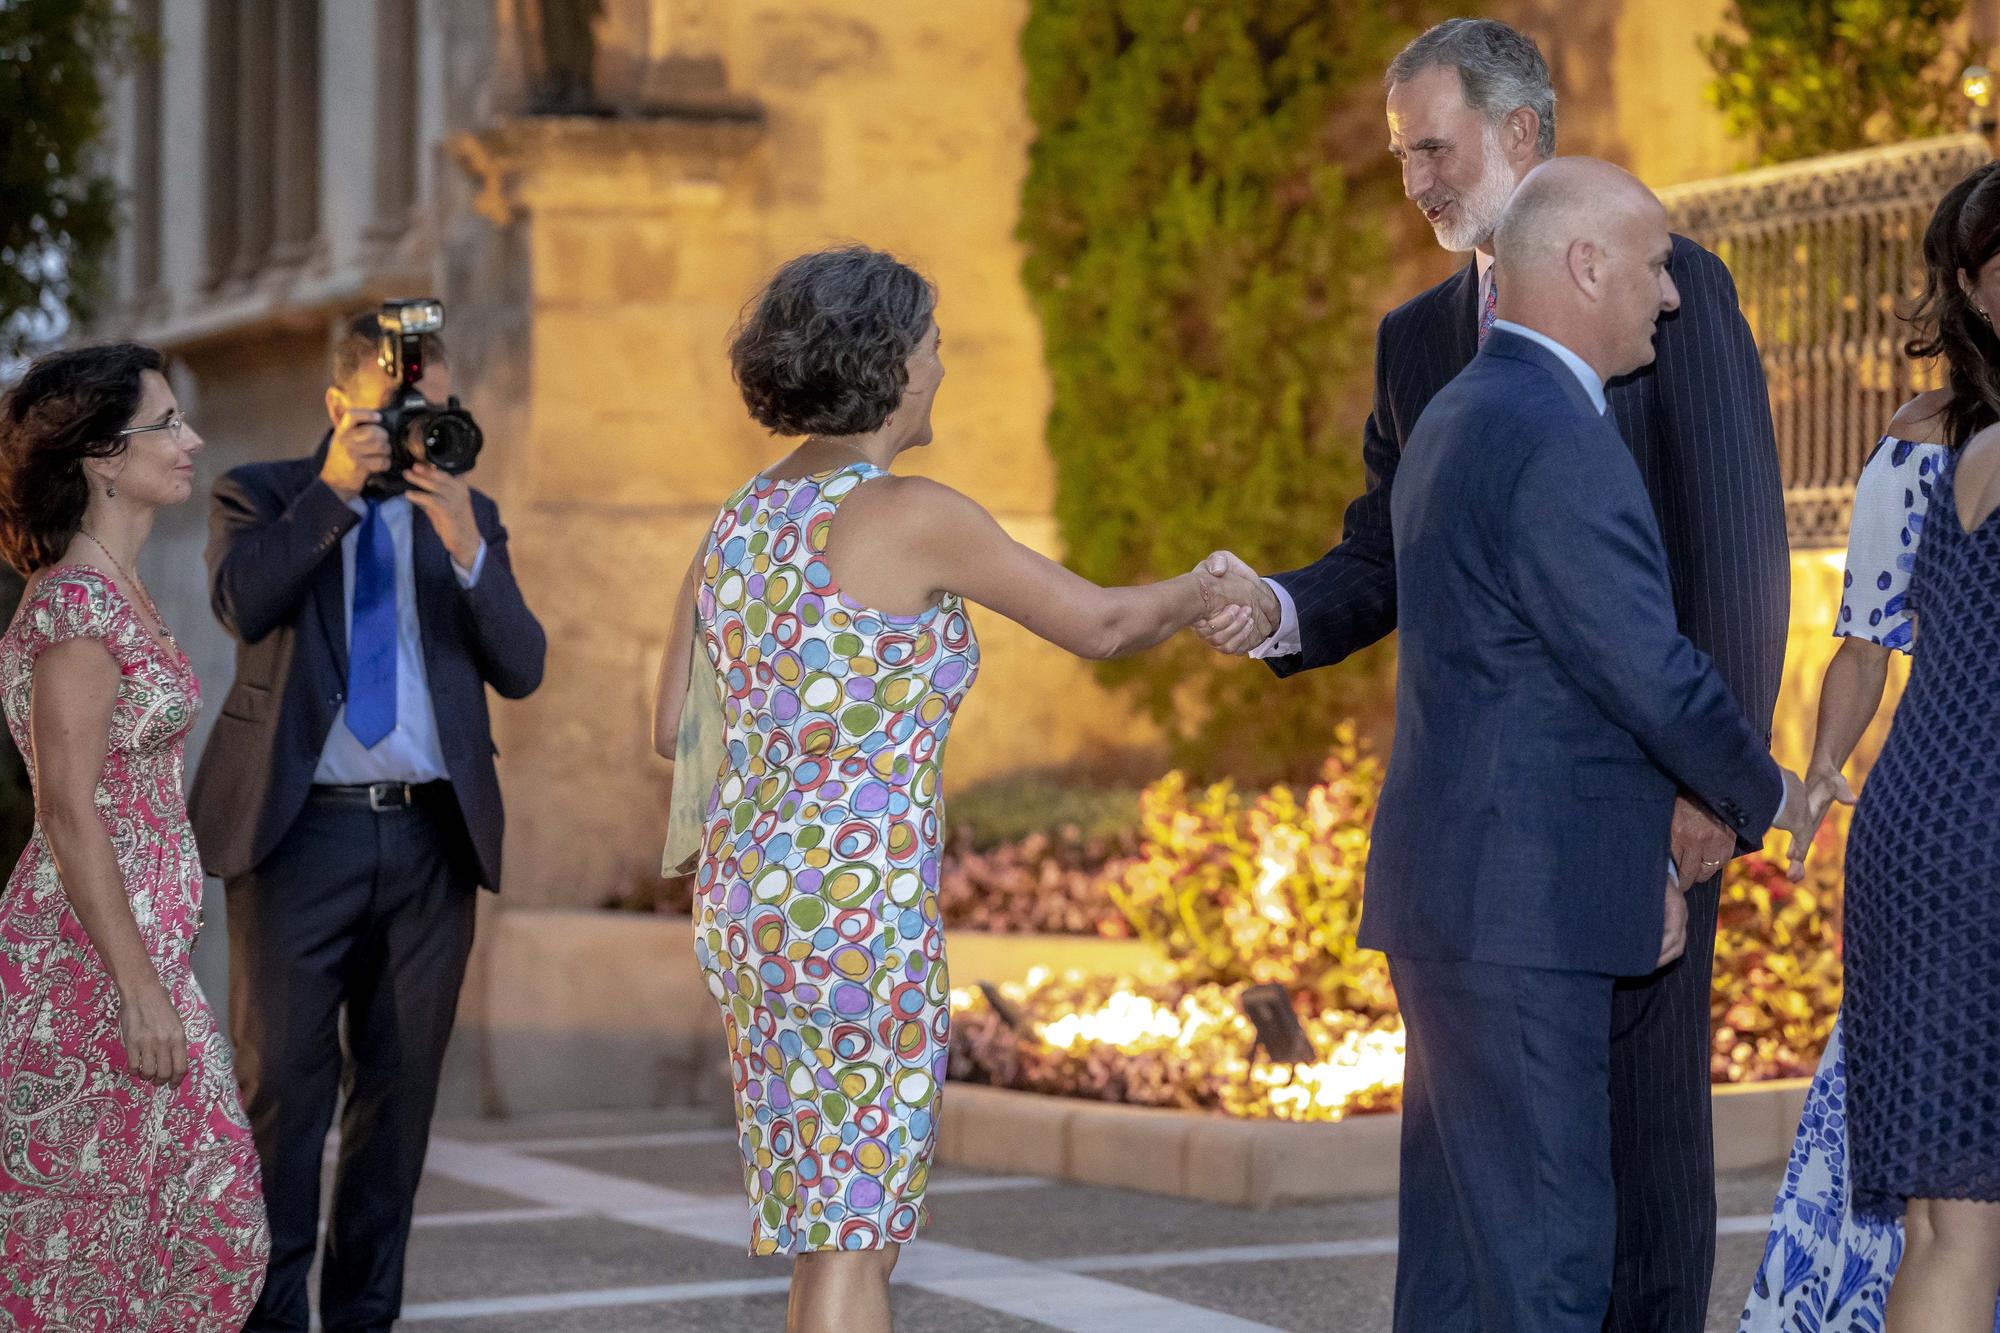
[997,1282]
[1024,1288]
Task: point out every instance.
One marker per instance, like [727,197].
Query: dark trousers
[1506,1217]
[347,947]
[1662,1138]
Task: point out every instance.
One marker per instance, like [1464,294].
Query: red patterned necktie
[1486,307]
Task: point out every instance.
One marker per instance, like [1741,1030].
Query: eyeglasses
[173,425]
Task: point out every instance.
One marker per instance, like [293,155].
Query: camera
[451,438]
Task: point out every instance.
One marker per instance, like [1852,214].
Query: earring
[1981,311]
[111,491]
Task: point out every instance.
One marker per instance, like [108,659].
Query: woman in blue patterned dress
[1828,1267]
[829,598]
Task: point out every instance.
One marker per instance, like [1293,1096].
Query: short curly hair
[823,349]
[69,407]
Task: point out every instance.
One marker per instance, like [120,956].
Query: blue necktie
[371,638]
[1487,307]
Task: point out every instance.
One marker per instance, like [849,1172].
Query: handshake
[1239,610]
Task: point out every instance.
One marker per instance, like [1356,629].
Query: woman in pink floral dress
[129,1189]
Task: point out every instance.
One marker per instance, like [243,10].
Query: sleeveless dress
[123,1205]
[816,913]
[1824,1269]
[1923,899]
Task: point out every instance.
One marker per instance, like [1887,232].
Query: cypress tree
[1205,217]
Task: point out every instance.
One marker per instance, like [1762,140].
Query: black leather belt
[382,796]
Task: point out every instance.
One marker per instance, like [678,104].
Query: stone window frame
[261,109]
[144,119]
[399,118]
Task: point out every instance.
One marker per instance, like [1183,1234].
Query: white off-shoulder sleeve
[1890,502]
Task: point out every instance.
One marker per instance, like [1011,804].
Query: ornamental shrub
[1237,888]
[1777,980]
[1184,1043]
[1240,889]
[1204,216]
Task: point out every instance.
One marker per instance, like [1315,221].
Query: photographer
[348,796]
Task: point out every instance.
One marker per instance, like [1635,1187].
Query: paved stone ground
[635,1222]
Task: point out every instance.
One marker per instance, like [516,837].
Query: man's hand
[1701,842]
[1251,615]
[1806,804]
[447,500]
[359,450]
[1674,936]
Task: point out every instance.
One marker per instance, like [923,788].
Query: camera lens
[451,441]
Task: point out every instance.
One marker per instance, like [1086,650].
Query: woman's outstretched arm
[956,546]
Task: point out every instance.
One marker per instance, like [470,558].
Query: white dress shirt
[1588,378]
[411,752]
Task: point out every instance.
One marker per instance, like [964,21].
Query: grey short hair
[1500,67]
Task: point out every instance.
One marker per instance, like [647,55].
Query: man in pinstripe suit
[1471,111]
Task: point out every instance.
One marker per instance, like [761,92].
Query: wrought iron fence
[1827,254]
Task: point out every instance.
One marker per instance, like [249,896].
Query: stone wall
[252,400]
[1630,82]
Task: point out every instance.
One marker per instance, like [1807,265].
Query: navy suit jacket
[1547,705]
[1698,424]
[277,586]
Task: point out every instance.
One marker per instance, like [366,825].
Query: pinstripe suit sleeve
[1346,599]
[1722,488]
[1721,508]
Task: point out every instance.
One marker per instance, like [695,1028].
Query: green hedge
[1204,217]
[1801,78]
[59,206]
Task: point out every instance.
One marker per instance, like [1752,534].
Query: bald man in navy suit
[1471,111]
[1548,708]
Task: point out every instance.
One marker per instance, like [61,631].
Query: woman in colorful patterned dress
[1827,1268]
[829,598]
[129,1190]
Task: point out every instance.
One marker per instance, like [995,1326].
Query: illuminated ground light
[1360,1066]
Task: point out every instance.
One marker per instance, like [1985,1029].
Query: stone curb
[591,1010]
[1259,1163]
